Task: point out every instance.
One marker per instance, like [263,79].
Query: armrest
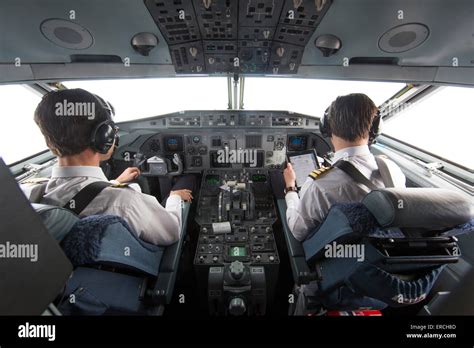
[302,274]
[164,287]
[295,248]
[434,250]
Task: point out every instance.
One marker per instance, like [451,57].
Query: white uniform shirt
[145,215]
[308,209]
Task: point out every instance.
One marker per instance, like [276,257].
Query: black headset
[374,132]
[104,135]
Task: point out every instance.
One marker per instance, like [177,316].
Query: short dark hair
[351,116]
[69,134]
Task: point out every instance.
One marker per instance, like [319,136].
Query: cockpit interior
[265,72]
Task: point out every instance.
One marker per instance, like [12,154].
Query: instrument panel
[222,139]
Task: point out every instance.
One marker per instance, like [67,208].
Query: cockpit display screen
[213,179]
[237,251]
[173,143]
[259,178]
[297,142]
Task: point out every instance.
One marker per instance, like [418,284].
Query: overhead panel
[218,25]
[178,23]
[230,36]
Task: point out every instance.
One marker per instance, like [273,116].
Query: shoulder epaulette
[35,181]
[317,172]
[120,185]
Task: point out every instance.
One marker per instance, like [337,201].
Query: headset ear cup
[103,137]
[379,127]
[324,127]
[376,128]
[116,141]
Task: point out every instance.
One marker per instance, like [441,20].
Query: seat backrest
[100,239]
[377,225]
[108,239]
[387,212]
[431,209]
[58,221]
[33,269]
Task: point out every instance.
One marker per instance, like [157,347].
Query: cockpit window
[309,96]
[134,99]
[139,98]
[20,137]
[441,123]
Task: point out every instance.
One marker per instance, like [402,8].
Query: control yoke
[158,166]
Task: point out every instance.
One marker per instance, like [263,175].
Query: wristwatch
[290,189]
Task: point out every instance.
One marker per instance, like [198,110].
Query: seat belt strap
[384,171]
[354,173]
[82,199]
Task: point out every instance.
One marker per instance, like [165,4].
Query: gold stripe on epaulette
[35,181]
[317,172]
[120,185]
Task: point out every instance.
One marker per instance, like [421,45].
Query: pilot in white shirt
[146,216]
[349,122]
[81,142]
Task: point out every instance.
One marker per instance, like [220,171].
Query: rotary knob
[279,146]
[202,150]
[236,269]
[237,306]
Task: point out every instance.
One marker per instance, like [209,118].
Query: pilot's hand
[290,176]
[186,195]
[128,175]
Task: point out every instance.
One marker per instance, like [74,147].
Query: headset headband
[374,130]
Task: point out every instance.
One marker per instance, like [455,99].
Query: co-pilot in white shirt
[308,209]
[146,216]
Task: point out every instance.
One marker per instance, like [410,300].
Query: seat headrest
[57,220]
[427,208]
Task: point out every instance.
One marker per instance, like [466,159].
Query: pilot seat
[114,271]
[406,235]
